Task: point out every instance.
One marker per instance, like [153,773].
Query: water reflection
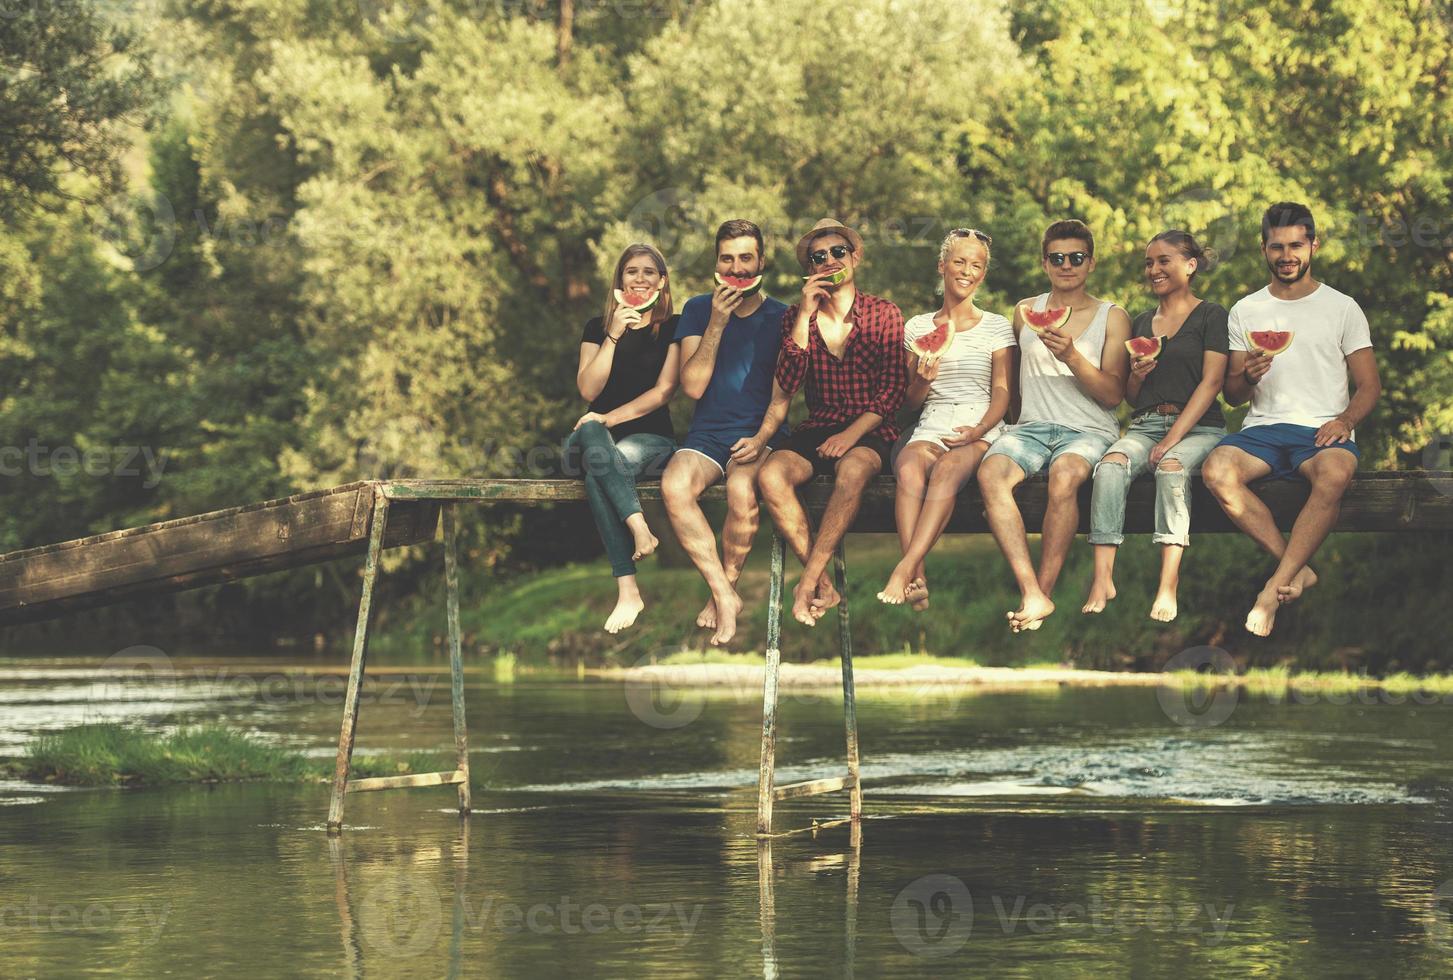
[852,858]
[400,915]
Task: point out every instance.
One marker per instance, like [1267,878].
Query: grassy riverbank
[1378,609]
[108,754]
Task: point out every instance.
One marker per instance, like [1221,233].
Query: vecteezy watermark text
[66,461]
[934,916]
[34,915]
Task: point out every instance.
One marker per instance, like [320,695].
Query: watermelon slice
[935,343]
[640,302]
[1039,322]
[1144,346]
[746,285]
[835,279]
[1270,341]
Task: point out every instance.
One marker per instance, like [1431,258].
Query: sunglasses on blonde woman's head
[1077,259]
[838,252]
[976,233]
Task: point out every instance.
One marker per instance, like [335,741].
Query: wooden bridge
[370,516]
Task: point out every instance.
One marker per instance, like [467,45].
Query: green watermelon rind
[1252,335]
[836,279]
[746,290]
[620,297]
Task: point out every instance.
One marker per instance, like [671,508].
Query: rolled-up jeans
[609,469]
[1172,487]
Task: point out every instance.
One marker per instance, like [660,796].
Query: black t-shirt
[1180,367]
[637,365]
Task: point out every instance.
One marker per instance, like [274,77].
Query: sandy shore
[820,676]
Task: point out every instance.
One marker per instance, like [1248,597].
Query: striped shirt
[965,373]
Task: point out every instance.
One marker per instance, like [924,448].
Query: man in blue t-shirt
[729,342]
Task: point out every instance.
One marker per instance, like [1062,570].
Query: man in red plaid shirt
[847,347]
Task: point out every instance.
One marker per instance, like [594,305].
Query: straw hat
[826,225]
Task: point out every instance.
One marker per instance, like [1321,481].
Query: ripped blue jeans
[1172,487]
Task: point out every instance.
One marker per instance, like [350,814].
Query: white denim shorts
[939,420]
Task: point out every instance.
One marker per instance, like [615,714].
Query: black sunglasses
[839,252]
[1077,259]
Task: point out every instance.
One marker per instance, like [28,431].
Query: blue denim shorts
[1034,446]
[716,444]
[1283,446]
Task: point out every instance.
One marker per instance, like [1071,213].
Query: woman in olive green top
[1175,421]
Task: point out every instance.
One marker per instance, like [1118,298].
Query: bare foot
[1301,581]
[917,594]
[1100,595]
[706,619]
[1164,609]
[895,592]
[646,542]
[624,614]
[727,611]
[1031,612]
[1263,614]
[803,596]
[825,598]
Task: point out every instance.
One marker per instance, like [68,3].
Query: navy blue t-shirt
[740,388]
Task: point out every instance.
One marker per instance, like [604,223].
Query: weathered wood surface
[325,524]
[1376,501]
[202,550]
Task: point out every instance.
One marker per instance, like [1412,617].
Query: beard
[1302,269]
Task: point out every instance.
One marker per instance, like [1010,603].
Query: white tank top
[1048,390]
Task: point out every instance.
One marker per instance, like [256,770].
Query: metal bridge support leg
[850,708]
[769,691]
[355,671]
[456,664]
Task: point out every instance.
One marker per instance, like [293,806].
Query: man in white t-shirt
[1301,420]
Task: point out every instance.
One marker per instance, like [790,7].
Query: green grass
[108,754]
[1271,682]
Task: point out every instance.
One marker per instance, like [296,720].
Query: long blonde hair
[661,312]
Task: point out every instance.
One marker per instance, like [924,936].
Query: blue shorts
[1034,446]
[1283,446]
[716,444]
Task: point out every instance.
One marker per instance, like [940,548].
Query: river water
[1071,832]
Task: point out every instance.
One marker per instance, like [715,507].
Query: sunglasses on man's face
[838,252]
[1077,259]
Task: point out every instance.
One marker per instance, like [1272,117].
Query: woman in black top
[630,365]
[1175,421]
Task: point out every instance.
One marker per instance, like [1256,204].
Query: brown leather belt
[1164,408]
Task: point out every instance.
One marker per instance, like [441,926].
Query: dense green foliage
[359,238]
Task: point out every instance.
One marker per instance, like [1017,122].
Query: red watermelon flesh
[1040,321]
[1144,346]
[747,285]
[1270,341]
[936,342]
[638,301]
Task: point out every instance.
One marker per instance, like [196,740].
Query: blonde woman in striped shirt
[964,393]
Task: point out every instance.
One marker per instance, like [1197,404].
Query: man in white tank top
[1071,379]
[1301,420]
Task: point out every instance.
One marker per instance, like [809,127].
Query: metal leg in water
[456,664]
[769,691]
[355,670]
[850,708]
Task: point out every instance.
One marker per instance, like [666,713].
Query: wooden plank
[403,782]
[812,787]
[205,549]
[326,524]
[1376,501]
